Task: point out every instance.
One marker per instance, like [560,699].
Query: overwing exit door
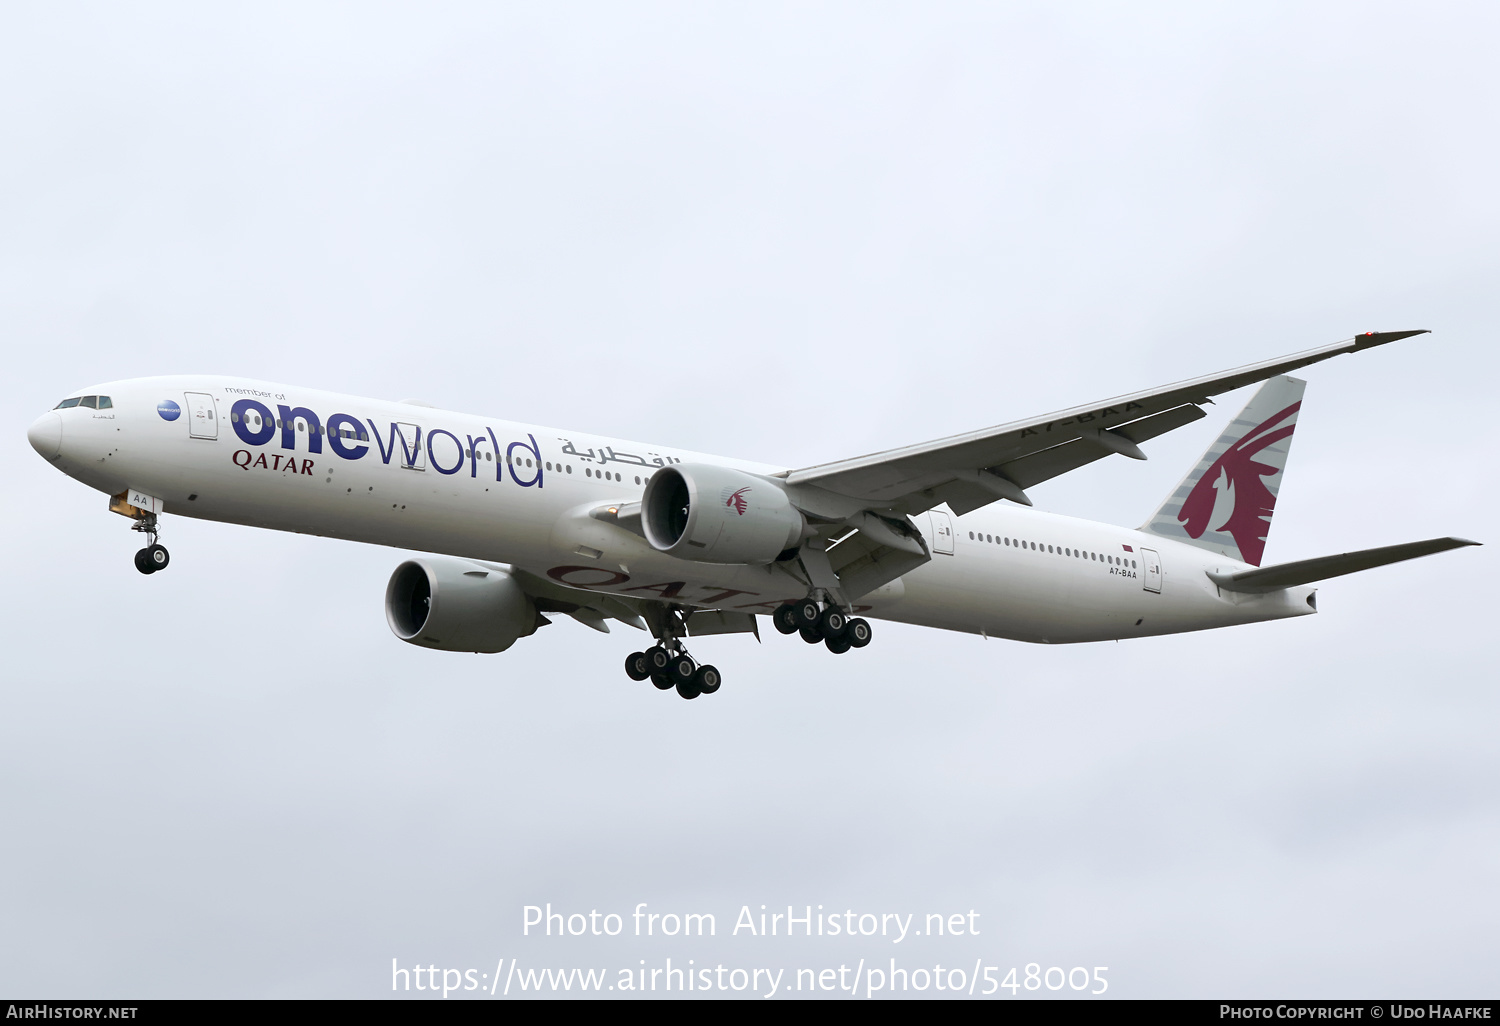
[942,532]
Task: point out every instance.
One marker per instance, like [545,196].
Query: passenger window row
[92,402]
[1056,550]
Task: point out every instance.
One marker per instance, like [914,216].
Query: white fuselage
[486,489]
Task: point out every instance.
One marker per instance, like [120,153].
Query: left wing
[975,469]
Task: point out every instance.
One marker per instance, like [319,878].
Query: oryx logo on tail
[1232,498]
[1226,503]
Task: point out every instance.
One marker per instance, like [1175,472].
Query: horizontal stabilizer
[1306,571]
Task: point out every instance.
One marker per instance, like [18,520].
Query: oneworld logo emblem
[411,446]
[168,410]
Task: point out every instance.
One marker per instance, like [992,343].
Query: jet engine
[717,515]
[457,606]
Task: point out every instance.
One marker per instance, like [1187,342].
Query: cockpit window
[68,403]
[91,401]
[105,404]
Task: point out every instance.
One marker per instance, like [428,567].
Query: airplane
[522,523]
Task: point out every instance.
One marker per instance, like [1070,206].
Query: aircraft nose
[45,435]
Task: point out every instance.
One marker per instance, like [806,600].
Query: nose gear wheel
[152,558]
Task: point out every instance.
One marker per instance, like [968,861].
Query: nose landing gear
[142,509]
[154,556]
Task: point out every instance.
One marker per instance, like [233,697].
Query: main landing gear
[669,666]
[154,556]
[828,624]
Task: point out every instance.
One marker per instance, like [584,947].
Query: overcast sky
[787,233]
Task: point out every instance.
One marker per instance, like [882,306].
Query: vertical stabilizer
[1226,501]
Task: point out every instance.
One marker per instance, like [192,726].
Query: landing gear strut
[154,556]
[826,623]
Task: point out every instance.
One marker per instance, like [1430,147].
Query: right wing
[859,507]
[972,470]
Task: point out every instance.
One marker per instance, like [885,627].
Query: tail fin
[1226,501]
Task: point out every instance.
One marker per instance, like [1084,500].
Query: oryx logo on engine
[735,500]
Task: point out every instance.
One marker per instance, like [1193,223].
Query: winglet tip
[1370,339]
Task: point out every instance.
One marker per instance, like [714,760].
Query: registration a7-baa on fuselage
[521,524]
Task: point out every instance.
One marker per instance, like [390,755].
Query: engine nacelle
[456,606]
[717,515]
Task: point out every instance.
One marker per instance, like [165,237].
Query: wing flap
[863,563]
[714,621]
